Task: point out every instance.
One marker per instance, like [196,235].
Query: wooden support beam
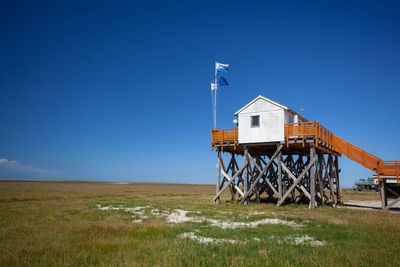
[330,179]
[319,171]
[245,174]
[226,171]
[262,172]
[252,179]
[279,176]
[296,181]
[218,175]
[230,180]
[258,187]
[392,191]
[294,178]
[394,202]
[312,178]
[383,194]
[233,171]
[338,200]
[233,184]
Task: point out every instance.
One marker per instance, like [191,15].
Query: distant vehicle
[365,185]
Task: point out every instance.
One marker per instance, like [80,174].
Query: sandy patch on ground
[178,216]
[205,240]
[234,225]
[367,204]
[294,240]
[304,240]
[133,210]
[137,211]
[181,216]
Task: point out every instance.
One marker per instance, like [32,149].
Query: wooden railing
[224,135]
[322,137]
[356,154]
[309,129]
[389,167]
[326,139]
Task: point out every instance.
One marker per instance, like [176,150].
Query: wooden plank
[279,176]
[250,193]
[233,171]
[394,202]
[336,165]
[330,177]
[226,171]
[235,167]
[294,178]
[261,174]
[296,181]
[245,174]
[383,195]
[258,186]
[319,178]
[312,178]
[230,180]
[218,174]
[235,186]
[392,191]
[261,170]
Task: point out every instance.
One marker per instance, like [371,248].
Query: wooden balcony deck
[301,135]
[297,135]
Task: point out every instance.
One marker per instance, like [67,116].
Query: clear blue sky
[119,90]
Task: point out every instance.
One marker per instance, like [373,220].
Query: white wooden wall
[272,120]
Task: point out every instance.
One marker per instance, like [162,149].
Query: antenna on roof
[301,108]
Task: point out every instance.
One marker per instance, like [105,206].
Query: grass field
[54,223]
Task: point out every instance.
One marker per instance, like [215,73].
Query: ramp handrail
[335,143]
[356,154]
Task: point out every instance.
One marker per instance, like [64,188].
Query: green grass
[55,224]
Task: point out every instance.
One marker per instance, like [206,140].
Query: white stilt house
[263,120]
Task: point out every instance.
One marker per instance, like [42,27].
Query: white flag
[214,86]
[221,67]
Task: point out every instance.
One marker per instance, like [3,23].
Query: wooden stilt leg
[312,178]
[279,176]
[331,176]
[245,174]
[233,167]
[218,175]
[383,194]
[319,177]
[338,201]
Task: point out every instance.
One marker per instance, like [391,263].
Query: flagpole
[215,97]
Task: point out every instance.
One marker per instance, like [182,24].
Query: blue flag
[221,67]
[222,81]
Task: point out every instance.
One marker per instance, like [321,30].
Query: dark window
[255,121]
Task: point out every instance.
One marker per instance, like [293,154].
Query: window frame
[252,125]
